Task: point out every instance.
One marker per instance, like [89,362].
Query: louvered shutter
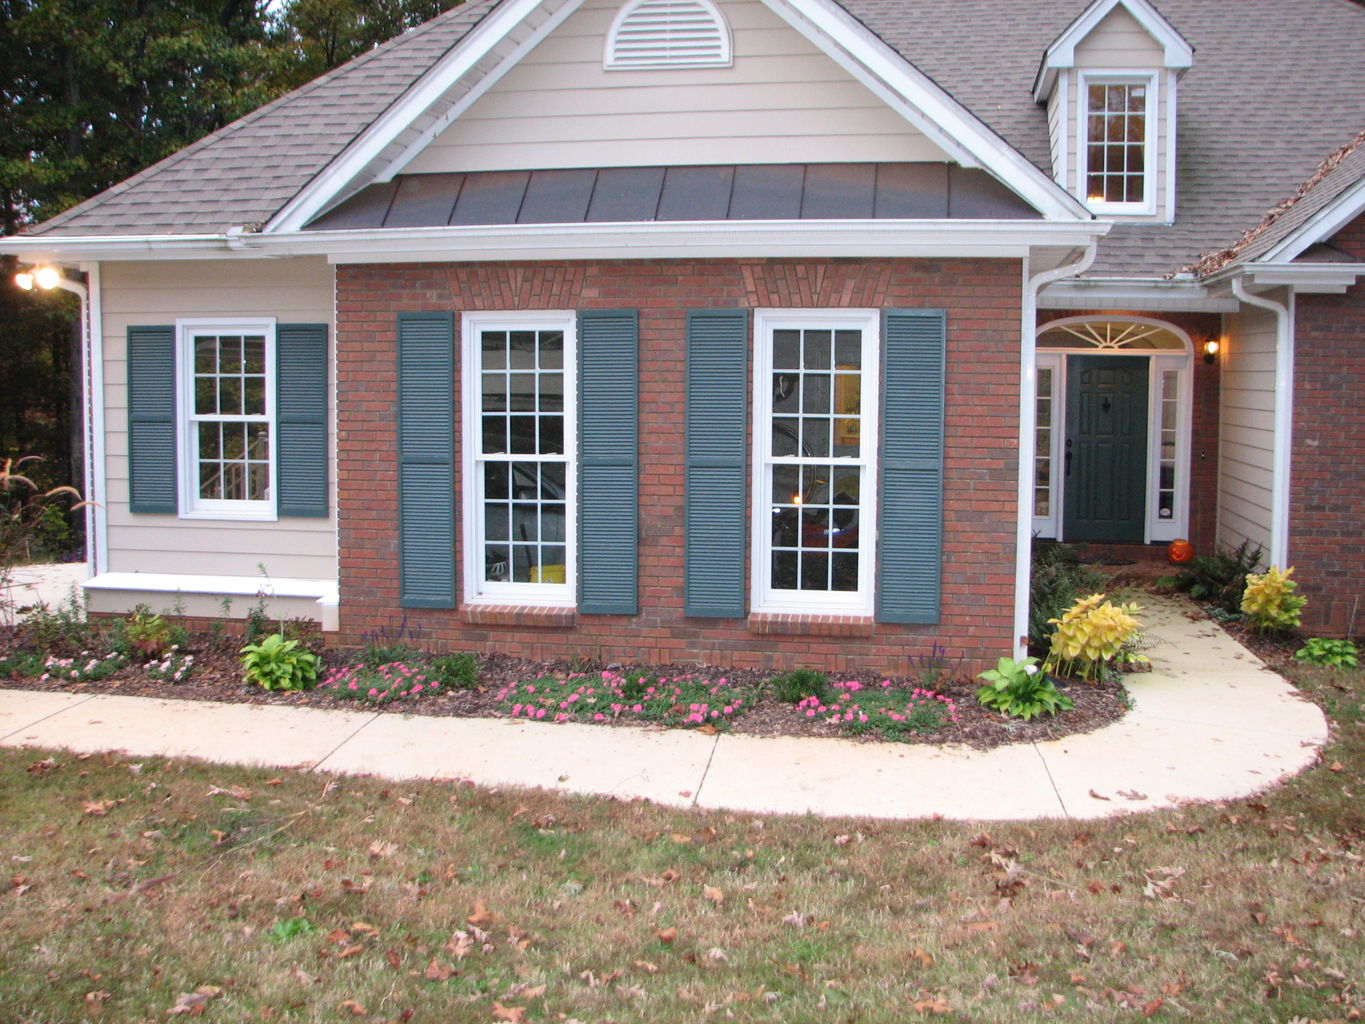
[716,515]
[151,420]
[608,462]
[909,557]
[426,467]
[301,417]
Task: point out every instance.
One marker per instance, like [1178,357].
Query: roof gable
[512,30]
[1176,52]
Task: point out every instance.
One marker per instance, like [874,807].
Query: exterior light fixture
[1211,350]
[45,278]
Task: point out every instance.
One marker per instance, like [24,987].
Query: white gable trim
[1177,53]
[346,173]
[923,103]
[372,155]
[1319,227]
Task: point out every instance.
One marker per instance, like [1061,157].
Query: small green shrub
[63,629]
[1220,578]
[175,666]
[1018,688]
[1321,650]
[258,624]
[892,712]
[279,664]
[1056,580]
[933,671]
[376,654]
[146,636]
[84,667]
[794,686]
[1270,602]
[382,685]
[458,671]
[19,664]
[1090,635]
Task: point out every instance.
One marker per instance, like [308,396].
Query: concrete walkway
[1210,722]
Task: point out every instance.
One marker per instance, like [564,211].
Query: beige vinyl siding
[137,294]
[1246,429]
[1119,43]
[1059,135]
[782,101]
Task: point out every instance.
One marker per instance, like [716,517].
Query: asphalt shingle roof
[1275,87]
[245,172]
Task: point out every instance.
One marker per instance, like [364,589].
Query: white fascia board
[1099,293]
[1304,278]
[653,240]
[401,114]
[73,248]
[923,103]
[1061,53]
[1320,227]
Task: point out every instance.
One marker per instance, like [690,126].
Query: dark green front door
[1104,461]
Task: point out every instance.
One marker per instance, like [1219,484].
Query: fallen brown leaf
[437,971]
[482,916]
[512,1014]
[354,1008]
[666,935]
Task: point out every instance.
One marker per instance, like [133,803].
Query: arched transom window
[668,34]
[1129,334]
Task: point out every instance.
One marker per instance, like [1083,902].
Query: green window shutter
[909,556]
[426,460]
[608,466]
[716,517]
[151,420]
[301,418]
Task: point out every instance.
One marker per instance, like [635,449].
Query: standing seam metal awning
[909,191]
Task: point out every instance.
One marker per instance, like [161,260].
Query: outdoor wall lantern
[45,278]
[1211,350]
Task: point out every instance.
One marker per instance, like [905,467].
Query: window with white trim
[519,457]
[1118,143]
[226,398]
[815,439]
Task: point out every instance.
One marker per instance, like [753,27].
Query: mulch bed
[217,677]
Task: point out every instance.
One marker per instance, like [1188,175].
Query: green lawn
[137,891]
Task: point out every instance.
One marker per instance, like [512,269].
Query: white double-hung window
[1118,143]
[815,439]
[226,400]
[520,435]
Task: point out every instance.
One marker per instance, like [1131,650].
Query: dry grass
[134,889]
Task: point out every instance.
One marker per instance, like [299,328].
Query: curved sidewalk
[1210,722]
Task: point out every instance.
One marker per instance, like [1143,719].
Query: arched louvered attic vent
[668,34]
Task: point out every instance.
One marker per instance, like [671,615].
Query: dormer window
[1109,82]
[1118,151]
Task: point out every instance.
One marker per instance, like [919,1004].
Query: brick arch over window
[668,34]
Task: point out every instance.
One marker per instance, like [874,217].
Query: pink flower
[638,708]
[540,712]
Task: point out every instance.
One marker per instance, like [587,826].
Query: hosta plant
[1021,690]
[1090,634]
[1333,653]
[1269,600]
[279,664]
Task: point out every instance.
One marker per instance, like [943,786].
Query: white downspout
[1028,414]
[1282,446]
[92,414]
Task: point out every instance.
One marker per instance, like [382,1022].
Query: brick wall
[982,298]
[1327,496]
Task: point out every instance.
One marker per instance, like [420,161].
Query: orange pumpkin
[1180,551]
